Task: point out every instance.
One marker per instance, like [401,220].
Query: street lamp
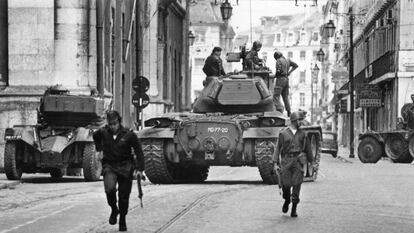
[226,10]
[330,27]
[314,74]
[320,55]
[191,38]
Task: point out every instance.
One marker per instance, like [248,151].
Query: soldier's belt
[291,155]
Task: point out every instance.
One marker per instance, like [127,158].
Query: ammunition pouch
[302,158]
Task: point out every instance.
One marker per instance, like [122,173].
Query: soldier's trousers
[291,196]
[281,88]
[124,190]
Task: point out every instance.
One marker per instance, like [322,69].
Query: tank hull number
[217,130]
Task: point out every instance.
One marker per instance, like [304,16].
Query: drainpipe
[99,47]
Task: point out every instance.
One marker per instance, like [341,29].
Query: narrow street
[347,197]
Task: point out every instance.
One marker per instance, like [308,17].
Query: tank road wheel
[57,172]
[396,147]
[310,174]
[264,150]
[92,167]
[12,167]
[158,169]
[369,150]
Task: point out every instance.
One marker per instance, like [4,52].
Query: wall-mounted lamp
[191,38]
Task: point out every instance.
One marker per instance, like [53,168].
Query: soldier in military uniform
[116,141]
[291,153]
[284,67]
[213,66]
[407,112]
[252,60]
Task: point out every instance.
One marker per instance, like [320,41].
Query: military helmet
[294,116]
[257,44]
[277,54]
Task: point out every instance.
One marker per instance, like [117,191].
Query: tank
[232,123]
[60,141]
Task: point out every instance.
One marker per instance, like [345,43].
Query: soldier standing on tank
[284,67]
[291,153]
[213,65]
[252,60]
[116,141]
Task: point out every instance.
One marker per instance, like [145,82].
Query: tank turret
[58,107]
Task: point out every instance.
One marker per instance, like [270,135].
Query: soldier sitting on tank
[252,60]
[213,67]
[292,152]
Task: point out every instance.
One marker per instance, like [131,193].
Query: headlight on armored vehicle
[245,124]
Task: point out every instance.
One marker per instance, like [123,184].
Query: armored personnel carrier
[233,123]
[62,138]
[397,144]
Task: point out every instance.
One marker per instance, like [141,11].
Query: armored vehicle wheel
[12,166]
[92,167]
[310,173]
[369,150]
[411,146]
[158,169]
[57,172]
[264,152]
[396,147]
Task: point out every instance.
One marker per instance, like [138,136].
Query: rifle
[279,179]
[140,193]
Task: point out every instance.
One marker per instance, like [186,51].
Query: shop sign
[370,96]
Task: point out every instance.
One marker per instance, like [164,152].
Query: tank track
[156,167]
[313,175]
[264,150]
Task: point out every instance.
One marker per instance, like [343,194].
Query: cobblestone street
[348,196]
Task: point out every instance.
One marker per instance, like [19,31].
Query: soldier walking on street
[291,154]
[118,164]
[284,67]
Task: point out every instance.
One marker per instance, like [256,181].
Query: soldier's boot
[294,214]
[111,198]
[122,223]
[285,207]
[113,216]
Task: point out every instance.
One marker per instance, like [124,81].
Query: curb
[10,184]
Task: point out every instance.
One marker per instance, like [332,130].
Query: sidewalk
[5,183]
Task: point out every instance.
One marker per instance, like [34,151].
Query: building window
[302,99]
[302,77]
[278,37]
[290,54]
[315,36]
[302,55]
[303,37]
[200,36]
[290,37]
[198,62]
